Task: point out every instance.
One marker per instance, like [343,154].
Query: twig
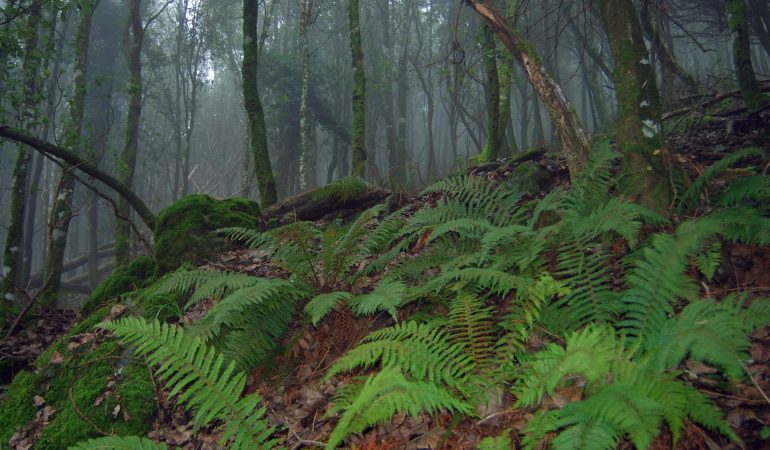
[83,416]
[305,442]
[754,382]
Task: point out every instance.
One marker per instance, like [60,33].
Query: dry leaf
[38,401]
[57,358]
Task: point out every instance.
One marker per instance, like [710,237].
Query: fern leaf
[690,197]
[502,442]
[320,305]
[388,296]
[386,394]
[421,350]
[708,260]
[200,377]
[251,237]
[119,443]
[750,188]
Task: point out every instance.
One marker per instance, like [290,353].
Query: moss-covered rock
[134,276]
[531,177]
[183,232]
[90,377]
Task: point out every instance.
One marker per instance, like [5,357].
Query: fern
[691,196]
[754,188]
[119,443]
[386,394]
[200,378]
[388,296]
[502,442]
[708,260]
[320,305]
[421,350]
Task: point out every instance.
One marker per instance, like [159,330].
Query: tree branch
[84,166]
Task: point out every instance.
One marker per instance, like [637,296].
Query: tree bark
[14,237]
[255,115]
[574,140]
[307,167]
[747,79]
[358,147]
[492,147]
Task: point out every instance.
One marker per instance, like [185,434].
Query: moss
[183,230]
[80,379]
[134,392]
[531,177]
[343,190]
[17,409]
[136,275]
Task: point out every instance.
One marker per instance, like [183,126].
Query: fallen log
[317,203]
[36,279]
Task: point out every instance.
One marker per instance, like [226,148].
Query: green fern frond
[184,281]
[200,378]
[757,315]
[386,394]
[691,196]
[658,277]
[496,282]
[119,443]
[743,224]
[589,353]
[219,286]
[251,237]
[708,260]
[320,305]
[755,188]
[387,296]
[706,331]
[421,350]
[465,227]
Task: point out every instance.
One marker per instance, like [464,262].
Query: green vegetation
[138,274]
[183,230]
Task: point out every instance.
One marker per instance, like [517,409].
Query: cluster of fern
[494,275]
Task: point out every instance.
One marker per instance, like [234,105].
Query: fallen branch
[765,87]
[306,205]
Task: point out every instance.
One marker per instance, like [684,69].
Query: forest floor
[296,398]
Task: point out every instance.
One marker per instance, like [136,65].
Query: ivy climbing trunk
[645,175]
[61,210]
[14,238]
[358,133]
[133,41]
[255,116]
[575,143]
[747,79]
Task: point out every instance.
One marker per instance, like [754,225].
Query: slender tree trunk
[255,116]
[358,133]
[133,41]
[14,237]
[747,80]
[574,140]
[307,167]
[61,210]
[387,94]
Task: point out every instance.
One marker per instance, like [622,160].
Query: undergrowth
[615,306]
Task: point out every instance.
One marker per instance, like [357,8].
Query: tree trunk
[61,210]
[574,140]
[747,80]
[14,237]
[492,147]
[255,115]
[387,95]
[307,167]
[358,147]
[645,173]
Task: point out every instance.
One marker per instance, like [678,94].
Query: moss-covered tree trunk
[61,210]
[492,146]
[13,242]
[133,41]
[358,133]
[747,79]
[575,143]
[255,116]
[645,176]
[388,111]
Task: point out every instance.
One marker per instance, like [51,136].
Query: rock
[183,232]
